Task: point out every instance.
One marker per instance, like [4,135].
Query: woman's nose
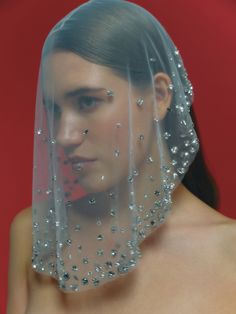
[69,130]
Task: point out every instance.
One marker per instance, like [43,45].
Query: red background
[204,32]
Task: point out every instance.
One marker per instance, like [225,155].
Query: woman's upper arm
[19,261]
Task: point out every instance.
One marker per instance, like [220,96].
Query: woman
[113,226]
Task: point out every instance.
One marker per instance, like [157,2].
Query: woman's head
[126,42]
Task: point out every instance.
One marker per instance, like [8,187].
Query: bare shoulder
[227,240]
[21,230]
[22,219]
[19,260]
[220,237]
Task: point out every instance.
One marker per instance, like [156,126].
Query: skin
[184,257]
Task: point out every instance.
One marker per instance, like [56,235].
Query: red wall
[204,32]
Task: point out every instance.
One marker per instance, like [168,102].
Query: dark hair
[110,34]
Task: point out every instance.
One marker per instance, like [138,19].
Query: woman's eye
[87,102]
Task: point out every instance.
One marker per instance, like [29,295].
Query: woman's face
[80,92]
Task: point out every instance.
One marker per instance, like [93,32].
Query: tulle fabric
[89,219]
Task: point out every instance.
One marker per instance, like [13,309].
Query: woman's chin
[94,184]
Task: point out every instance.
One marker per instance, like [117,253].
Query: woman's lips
[79,163]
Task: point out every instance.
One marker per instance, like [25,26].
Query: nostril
[85,131]
[70,137]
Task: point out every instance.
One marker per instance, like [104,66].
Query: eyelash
[93,99]
[57,111]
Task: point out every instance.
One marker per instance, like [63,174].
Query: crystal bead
[85,131]
[98,222]
[112,195]
[153,59]
[181,170]
[174,162]
[174,149]
[85,281]
[66,276]
[114,252]
[98,268]
[100,237]
[185,163]
[100,252]
[74,288]
[92,201]
[108,264]
[192,150]
[85,260]
[77,228]
[180,108]
[122,269]
[132,206]
[135,173]
[69,242]
[132,263]
[141,137]
[111,274]
[110,93]
[187,143]
[39,131]
[117,153]
[175,176]
[184,155]
[74,268]
[151,178]
[140,102]
[130,179]
[153,222]
[113,212]
[167,135]
[113,229]
[36,225]
[95,281]
[150,159]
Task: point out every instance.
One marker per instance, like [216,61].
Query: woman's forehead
[66,71]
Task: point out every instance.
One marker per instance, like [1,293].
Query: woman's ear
[163,95]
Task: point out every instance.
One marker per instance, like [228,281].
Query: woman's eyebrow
[82,90]
[76,92]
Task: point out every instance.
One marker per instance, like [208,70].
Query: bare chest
[163,286]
